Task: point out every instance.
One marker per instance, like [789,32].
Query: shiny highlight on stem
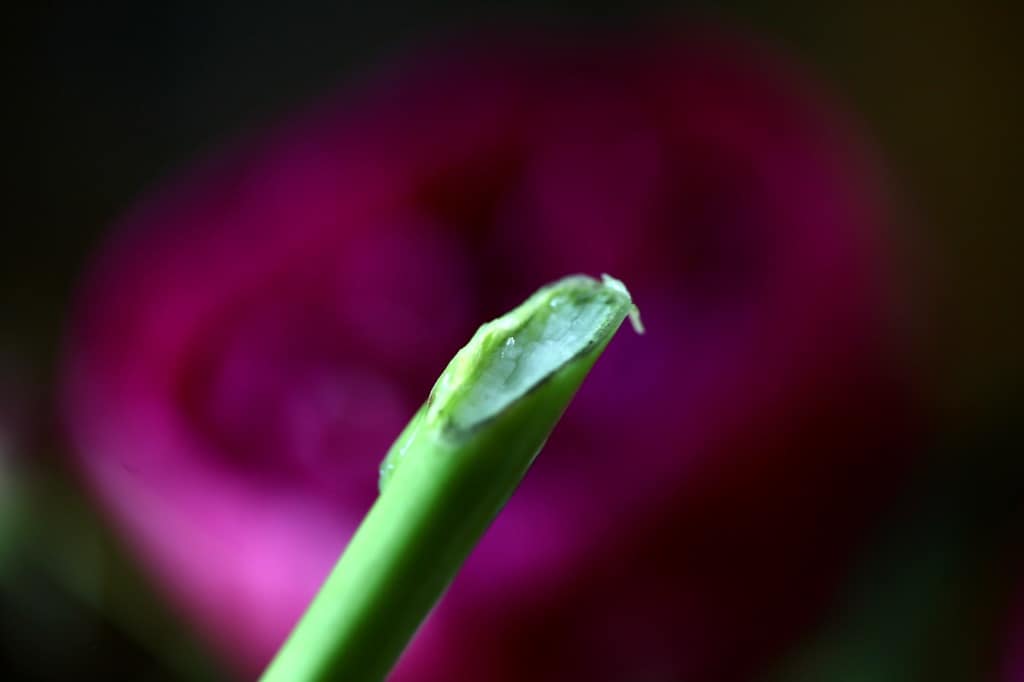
[449,474]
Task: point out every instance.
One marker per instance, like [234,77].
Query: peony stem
[449,474]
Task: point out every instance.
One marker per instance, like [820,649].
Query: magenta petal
[255,335]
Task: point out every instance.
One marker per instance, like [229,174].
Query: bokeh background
[104,102]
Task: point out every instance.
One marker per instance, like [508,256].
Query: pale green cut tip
[510,355]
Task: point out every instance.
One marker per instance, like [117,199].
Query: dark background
[102,101]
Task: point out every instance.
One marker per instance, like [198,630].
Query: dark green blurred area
[103,102]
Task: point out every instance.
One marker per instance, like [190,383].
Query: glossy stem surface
[448,475]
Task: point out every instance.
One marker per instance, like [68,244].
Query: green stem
[448,475]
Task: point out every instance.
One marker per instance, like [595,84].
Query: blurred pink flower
[256,334]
